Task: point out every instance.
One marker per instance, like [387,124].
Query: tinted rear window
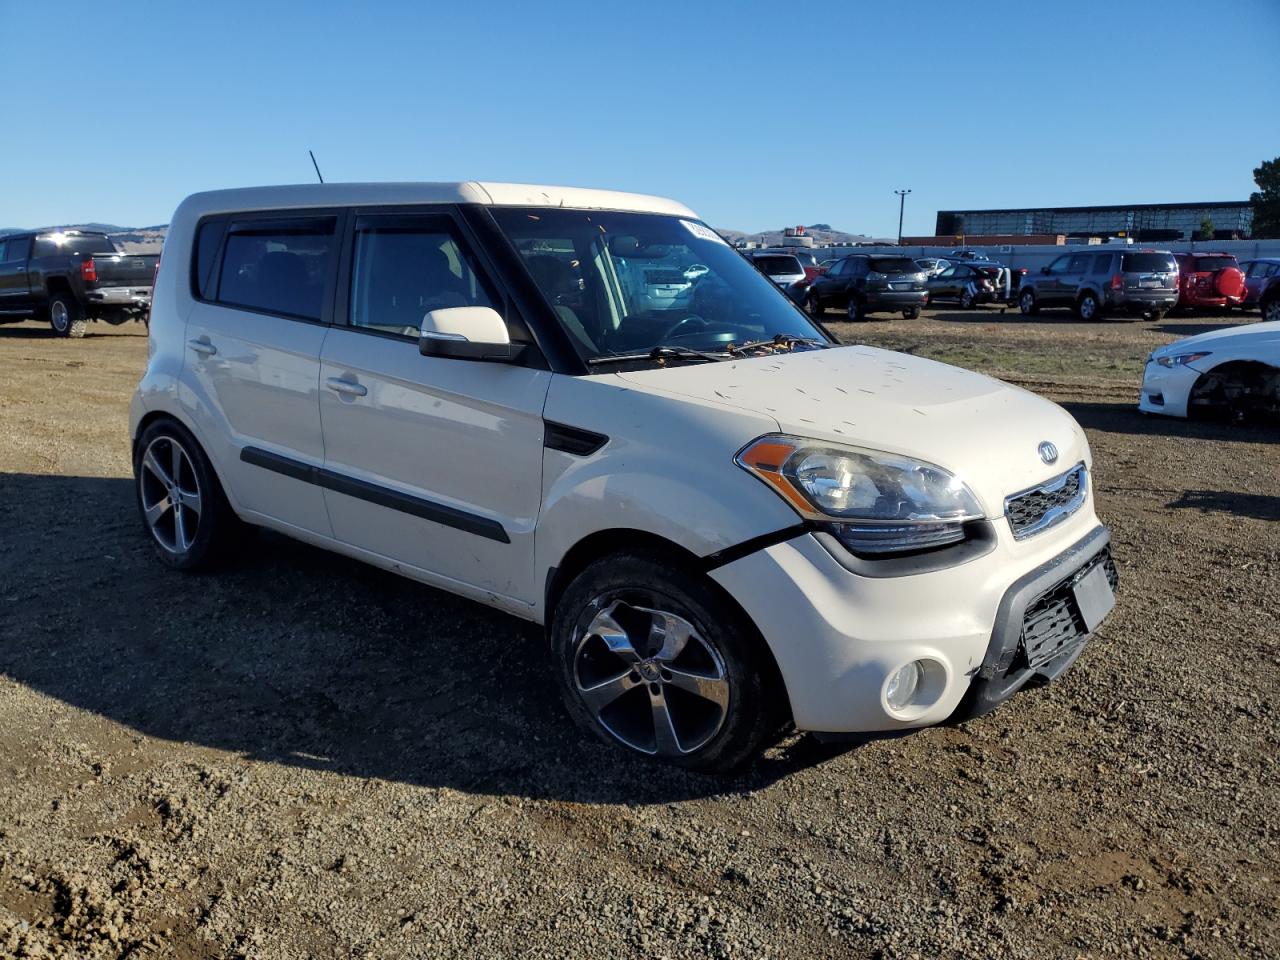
[1148,263]
[1210,264]
[777,265]
[55,244]
[894,265]
[278,268]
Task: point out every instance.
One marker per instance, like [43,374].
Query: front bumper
[839,636]
[1166,390]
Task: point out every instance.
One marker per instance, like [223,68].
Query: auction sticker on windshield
[702,231]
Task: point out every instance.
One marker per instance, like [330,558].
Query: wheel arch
[603,543]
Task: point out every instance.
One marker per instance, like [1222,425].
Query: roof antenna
[317,166]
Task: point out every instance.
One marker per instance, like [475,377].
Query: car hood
[1263,336]
[986,432]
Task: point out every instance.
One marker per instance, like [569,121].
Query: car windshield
[626,283]
[775,266]
[1210,264]
[1148,263]
[894,265]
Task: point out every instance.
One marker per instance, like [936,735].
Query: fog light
[903,685]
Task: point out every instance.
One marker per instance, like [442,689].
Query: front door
[429,461]
[253,344]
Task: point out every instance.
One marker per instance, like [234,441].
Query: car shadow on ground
[295,655]
[1249,505]
[1125,418]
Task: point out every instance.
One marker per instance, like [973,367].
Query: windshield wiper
[783,341]
[660,353]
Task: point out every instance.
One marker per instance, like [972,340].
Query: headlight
[874,502]
[873,275]
[1181,359]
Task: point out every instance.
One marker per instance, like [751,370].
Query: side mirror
[467,333]
[1044,270]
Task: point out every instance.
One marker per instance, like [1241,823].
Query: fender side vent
[572,440]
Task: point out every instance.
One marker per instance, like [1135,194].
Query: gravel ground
[303,756]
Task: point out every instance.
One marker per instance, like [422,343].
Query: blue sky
[755,114]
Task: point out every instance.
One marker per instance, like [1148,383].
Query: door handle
[203,347]
[338,385]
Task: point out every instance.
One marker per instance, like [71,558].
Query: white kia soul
[584,408]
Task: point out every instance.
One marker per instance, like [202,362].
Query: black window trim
[275,216]
[444,215]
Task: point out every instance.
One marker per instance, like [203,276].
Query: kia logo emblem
[1048,452]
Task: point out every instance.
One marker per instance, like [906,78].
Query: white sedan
[1235,370]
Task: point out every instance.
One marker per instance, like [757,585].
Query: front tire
[966,300]
[653,659]
[1027,303]
[1271,310]
[66,316]
[180,500]
[814,306]
[857,311]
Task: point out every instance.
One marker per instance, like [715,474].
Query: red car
[1209,280]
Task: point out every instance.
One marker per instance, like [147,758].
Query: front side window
[625,283]
[399,274]
[278,266]
[1060,265]
[1079,263]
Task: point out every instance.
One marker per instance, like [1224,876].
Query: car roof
[469,191]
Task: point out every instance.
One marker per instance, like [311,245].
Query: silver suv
[1110,281]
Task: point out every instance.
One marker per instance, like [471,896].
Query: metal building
[1150,221]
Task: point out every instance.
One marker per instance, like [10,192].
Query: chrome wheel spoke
[665,738]
[613,634]
[669,633]
[714,689]
[151,463]
[180,528]
[600,695]
[157,510]
[190,500]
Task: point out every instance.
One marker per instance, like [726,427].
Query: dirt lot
[307,757]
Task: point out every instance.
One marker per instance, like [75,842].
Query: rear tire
[703,695]
[966,300]
[814,306]
[66,316]
[1087,307]
[181,503]
[857,311]
[911,313]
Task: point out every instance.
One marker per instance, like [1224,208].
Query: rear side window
[1148,263]
[208,239]
[400,274]
[55,244]
[278,266]
[1102,263]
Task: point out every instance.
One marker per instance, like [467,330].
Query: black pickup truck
[72,277]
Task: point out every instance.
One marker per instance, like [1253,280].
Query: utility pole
[902,202]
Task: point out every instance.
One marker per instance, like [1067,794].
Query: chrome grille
[1035,510]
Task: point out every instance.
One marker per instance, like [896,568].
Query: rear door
[262,307]
[432,462]
[1076,276]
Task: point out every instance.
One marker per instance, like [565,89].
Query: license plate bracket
[1094,597]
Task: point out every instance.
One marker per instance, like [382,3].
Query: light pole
[902,202]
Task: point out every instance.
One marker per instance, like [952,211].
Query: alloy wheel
[1088,307]
[1027,302]
[648,677]
[59,316]
[170,490]
[1271,312]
